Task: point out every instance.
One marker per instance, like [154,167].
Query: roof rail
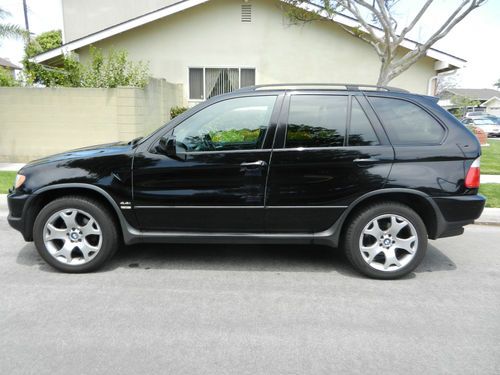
[321,86]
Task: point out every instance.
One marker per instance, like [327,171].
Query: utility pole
[26,23]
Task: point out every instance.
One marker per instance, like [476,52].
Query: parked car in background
[375,171]
[489,124]
[474,114]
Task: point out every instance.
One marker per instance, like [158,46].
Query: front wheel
[386,240]
[75,234]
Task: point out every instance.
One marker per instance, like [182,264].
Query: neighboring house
[481,95]
[215,46]
[6,64]
[492,105]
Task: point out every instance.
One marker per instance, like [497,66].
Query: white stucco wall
[493,107]
[212,35]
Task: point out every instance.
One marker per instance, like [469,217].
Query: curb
[490,216]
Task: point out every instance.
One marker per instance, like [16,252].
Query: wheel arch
[49,193]
[420,202]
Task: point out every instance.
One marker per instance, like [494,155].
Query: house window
[207,82]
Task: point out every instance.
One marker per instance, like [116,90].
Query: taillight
[473,175]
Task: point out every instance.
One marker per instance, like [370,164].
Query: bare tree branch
[385,39]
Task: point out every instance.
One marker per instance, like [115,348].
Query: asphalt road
[251,310]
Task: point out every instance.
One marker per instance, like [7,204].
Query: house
[6,64]
[215,46]
[492,105]
[483,96]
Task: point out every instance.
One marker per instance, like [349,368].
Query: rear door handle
[365,162]
[254,164]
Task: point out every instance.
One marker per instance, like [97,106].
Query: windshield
[484,121]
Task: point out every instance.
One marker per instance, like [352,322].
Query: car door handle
[254,164]
[365,162]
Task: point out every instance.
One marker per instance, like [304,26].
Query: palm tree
[8,30]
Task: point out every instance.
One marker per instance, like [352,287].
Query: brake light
[473,175]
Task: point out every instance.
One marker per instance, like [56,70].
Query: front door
[327,154]
[216,180]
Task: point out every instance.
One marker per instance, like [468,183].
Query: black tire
[363,218]
[104,219]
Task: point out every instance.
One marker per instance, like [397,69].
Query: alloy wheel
[388,242]
[72,236]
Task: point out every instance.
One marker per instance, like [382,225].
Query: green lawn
[6,181]
[490,159]
[492,194]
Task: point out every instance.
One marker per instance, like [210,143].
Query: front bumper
[19,218]
[457,211]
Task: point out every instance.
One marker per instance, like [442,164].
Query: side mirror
[167,146]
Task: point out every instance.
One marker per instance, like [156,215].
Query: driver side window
[233,124]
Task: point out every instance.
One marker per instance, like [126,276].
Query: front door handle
[365,162]
[253,165]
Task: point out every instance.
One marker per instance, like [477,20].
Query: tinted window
[406,123]
[316,121]
[234,124]
[361,132]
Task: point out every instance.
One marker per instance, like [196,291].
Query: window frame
[414,102]
[204,68]
[267,144]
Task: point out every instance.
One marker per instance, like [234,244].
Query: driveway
[251,310]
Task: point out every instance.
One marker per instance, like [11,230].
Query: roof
[475,94]
[490,100]
[186,4]
[6,63]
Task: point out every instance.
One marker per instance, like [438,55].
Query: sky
[476,39]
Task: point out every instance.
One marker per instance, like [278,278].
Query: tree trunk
[384,76]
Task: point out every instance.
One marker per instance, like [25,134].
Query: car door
[329,150]
[216,180]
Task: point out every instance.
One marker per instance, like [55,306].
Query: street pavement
[251,310]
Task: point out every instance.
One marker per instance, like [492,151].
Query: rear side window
[361,132]
[316,121]
[407,123]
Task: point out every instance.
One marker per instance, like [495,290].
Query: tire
[75,234]
[385,240]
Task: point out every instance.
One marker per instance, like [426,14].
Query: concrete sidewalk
[14,167]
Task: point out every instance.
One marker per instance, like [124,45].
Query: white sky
[476,38]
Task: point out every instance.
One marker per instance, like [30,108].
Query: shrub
[113,70]
[102,71]
[7,79]
[176,111]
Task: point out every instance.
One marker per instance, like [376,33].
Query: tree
[379,27]
[9,30]
[463,102]
[497,84]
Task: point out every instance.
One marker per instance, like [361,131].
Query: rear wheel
[75,234]
[386,240]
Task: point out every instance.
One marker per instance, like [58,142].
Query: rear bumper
[455,212]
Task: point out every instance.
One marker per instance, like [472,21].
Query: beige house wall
[36,122]
[84,17]
[212,35]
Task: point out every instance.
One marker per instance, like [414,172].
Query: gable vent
[246,13]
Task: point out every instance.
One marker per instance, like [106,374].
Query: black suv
[374,170]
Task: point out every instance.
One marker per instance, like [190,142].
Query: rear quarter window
[406,123]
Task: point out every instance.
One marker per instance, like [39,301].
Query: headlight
[19,181]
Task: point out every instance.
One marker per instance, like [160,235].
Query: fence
[35,122]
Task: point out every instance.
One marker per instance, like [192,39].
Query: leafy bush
[113,70]
[176,111]
[103,71]
[7,79]
[68,75]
